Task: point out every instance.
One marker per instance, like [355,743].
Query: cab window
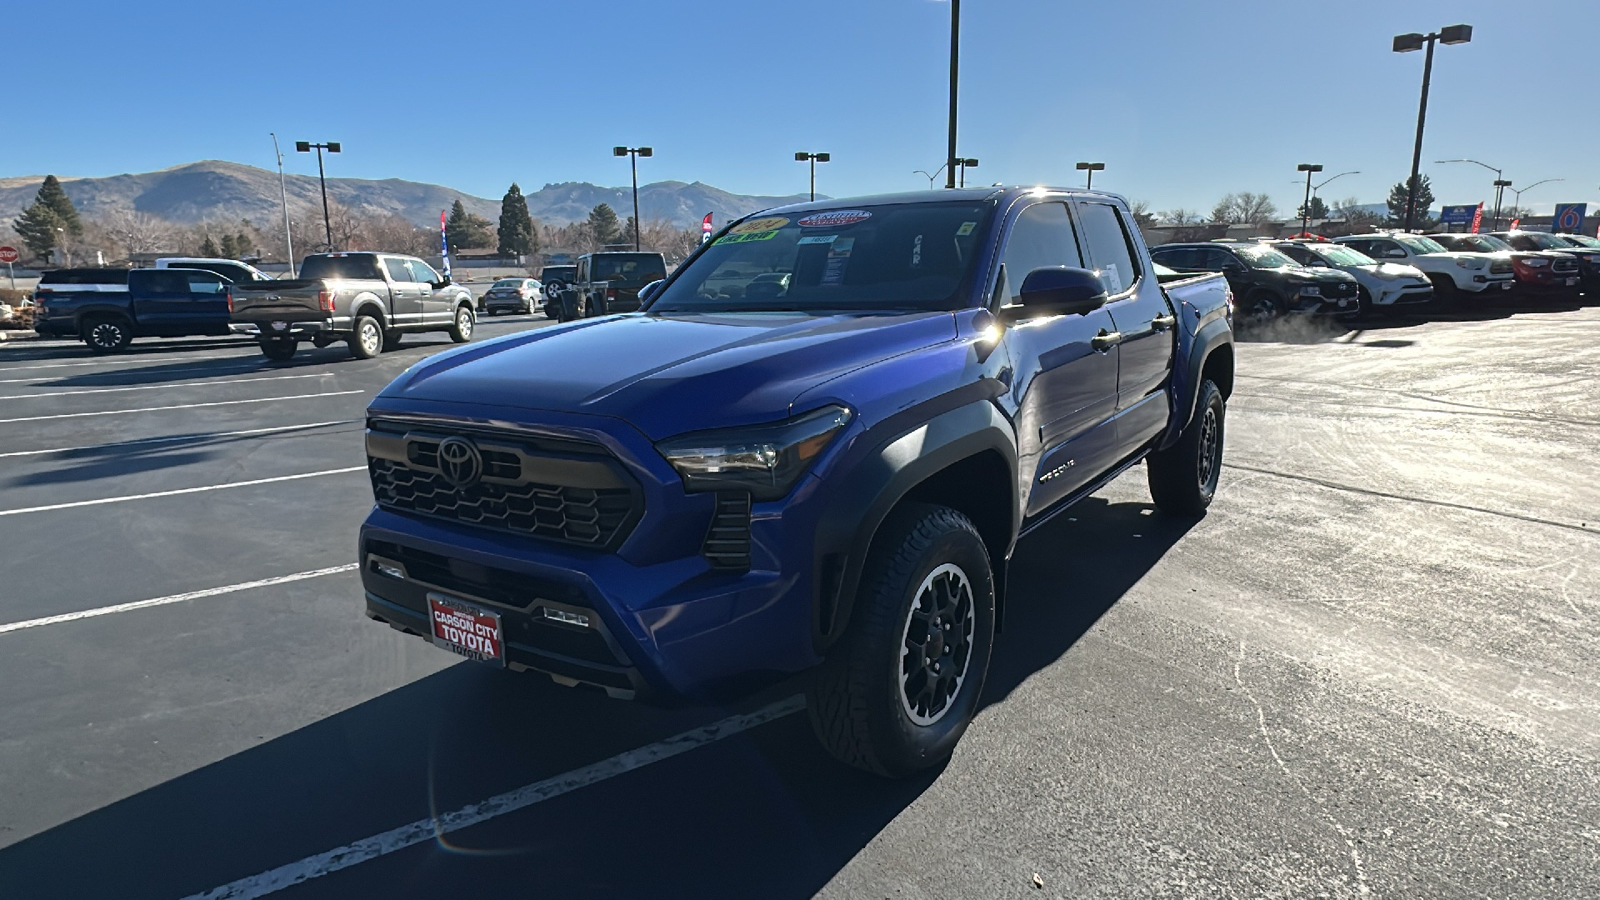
[1041,237]
[1110,246]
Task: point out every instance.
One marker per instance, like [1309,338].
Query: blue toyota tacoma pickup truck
[814,448]
[157,303]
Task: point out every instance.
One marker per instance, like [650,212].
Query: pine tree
[243,244]
[463,229]
[1319,210]
[517,237]
[229,247]
[209,248]
[603,226]
[37,225]
[1397,202]
[51,195]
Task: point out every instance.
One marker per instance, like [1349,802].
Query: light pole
[633,154]
[331,147]
[1091,168]
[1500,183]
[1405,43]
[1305,208]
[1518,202]
[813,158]
[931,176]
[955,58]
[283,192]
[964,165]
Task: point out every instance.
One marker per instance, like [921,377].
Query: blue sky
[1184,101]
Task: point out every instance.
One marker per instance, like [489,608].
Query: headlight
[1467,263]
[1311,290]
[765,460]
[1534,262]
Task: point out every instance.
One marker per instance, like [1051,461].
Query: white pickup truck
[1452,272]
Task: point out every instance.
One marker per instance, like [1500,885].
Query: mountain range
[213,190]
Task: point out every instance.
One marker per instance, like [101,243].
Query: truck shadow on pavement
[760,813]
[120,459]
[73,348]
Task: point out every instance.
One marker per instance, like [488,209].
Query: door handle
[1163,322]
[1105,340]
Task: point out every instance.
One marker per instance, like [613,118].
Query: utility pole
[283,192]
[955,65]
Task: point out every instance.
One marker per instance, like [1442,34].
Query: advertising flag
[1516,224]
[1477,219]
[444,244]
[705,228]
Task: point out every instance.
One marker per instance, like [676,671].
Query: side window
[397,269]
[166,281]
[1214,259]
[205,282]
[1041,237]
[1110,246]
[1359,246]
[1299,254]
[1387,250]
[1174,257]
[422,271]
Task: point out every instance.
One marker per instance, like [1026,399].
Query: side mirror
[444,283]
[1059,291]
[650,290]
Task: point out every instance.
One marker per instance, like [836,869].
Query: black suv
[609,282]
[1266,282]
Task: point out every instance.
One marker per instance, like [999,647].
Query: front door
[436,309]
[405,294]
[1065,386]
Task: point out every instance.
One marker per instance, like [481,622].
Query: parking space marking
[173,493]
[175,598]
[424,830]
[162,386]
[118,412]
[180,437]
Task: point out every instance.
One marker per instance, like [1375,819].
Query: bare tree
[140,232]
[1354,216]
[1244,208]
[394,233]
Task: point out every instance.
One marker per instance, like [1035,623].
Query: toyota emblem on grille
[460,462]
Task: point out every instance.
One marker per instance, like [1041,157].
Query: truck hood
[1320,275]
[670,374]
[1395,272]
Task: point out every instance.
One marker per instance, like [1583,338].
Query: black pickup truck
[157,303]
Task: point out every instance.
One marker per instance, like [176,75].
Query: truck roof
[937,196]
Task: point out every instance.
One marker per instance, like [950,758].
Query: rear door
[406,293]
[1141,316]
[1066,385]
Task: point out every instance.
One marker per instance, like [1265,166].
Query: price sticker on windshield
[747,237]
[770,223]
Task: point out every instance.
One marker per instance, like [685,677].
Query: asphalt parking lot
[1369,671]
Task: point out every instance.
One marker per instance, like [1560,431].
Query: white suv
[1450,271]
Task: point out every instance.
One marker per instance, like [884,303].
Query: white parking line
[179,437]
[173,493]
[162,386]
[118,412]
[243,364]
[424,830]
[175,598]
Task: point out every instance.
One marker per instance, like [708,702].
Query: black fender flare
[882,478]
[101,311]
[1214,334]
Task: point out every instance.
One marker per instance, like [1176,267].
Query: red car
[1537,272]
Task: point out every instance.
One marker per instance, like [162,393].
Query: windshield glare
[1420,244]
[1544,241]
[1582,240]
[1344,256]
[894,256]
[1265,258]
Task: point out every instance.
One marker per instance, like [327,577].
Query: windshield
[894,256]
[1475,243]
[1420,244]
[1544,241]
[333,268]
[1582,240]
[632,270]
[1265,258]
[1343,256]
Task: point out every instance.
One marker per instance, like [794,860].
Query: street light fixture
[331,147]
[1405,43]
[931,176]
[283,193]
[813,158]
[1091,168]
[962,165]
[1518,202]
[633,154]
[1500,184]
[1305,208]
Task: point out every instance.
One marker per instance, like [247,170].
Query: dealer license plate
[465,629]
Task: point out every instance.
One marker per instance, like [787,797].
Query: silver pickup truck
[367,300]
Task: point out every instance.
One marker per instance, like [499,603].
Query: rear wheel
[1183,477]
[901,687]
[367,339]
[278,349]
[107,334]
[461,328]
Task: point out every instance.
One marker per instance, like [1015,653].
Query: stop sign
[9,255]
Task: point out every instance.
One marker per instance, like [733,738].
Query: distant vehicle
[521,295]
[554,280]
[79,280]
[1588,256]
[1581,240]
[236,272]
[152,303]
[367,300]
[1537,272]
[1268,283]
[609,282]
[1383,285]
[1452,272]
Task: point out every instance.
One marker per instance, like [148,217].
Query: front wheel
[1261,307]
[1183,477]
[900,689]
[461,328]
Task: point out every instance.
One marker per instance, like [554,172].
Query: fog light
[566,618]
[390,571]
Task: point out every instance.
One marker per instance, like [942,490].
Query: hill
[224,191]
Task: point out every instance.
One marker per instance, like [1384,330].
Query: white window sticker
[1112,278]
[966,229]
[818,239]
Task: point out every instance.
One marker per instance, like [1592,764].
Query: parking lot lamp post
[633,154]
[331,147]
[955,58]
[283,194]
[1091,168]
[1405,43]
[1305,208]
[963,165]
[813,158]
[931,176]
[1518,201]
[1500,184]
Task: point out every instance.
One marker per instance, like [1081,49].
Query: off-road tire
[107,334]
[366,339]
[857,702]
[279,349]
[462,325]
[1183,477]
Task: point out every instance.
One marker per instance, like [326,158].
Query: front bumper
[1404,294]
[1485,284]
[1317,305]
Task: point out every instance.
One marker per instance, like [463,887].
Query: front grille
[563,491]
[1566,266]
[1344,289]
[727,543]
[1500,267]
